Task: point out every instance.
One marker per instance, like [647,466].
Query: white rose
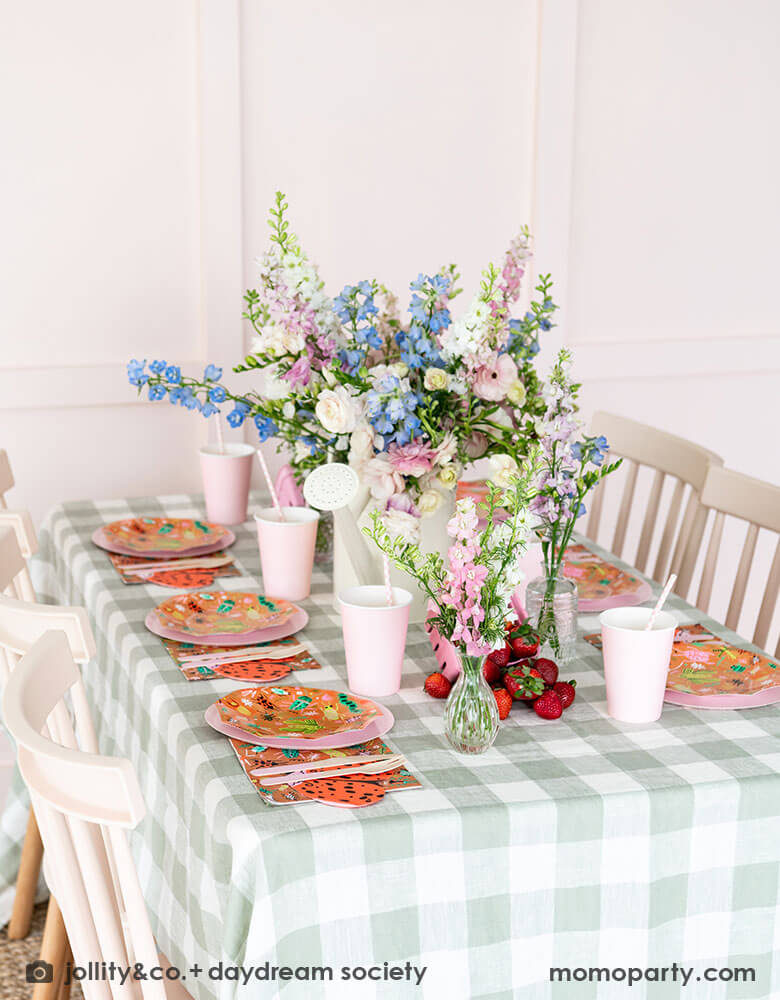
[400,369]
[448,477]
[516,393]
[504,467]
[435,378]
[361,445]
[429,502]
[337,411]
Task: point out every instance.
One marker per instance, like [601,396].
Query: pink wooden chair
[683,462]
[6,478]
[85,803]
[730,493]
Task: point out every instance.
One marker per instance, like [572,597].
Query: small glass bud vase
[551,602]
[471,713]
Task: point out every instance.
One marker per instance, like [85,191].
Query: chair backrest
[684,462]
[6,477]
[733,494]
[17,528]
[23,622]
[84,803]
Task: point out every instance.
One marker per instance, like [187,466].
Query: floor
[14,956]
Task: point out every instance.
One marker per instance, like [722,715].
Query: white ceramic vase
[433,538]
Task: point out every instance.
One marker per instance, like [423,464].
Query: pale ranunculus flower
[429,502]
[361,445]
[337,411]
[400,368]
[516,394]
[445,452]
[382,478]
[448,477]
[504,467]
[435,379]
[402,525]
[493,381]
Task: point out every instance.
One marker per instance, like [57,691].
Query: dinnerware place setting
[180,552]
[316,744]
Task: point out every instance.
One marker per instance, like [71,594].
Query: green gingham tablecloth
[579,843]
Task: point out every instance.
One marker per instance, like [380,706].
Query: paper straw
[661,601]
[388,585]
[220,438]
[270,485]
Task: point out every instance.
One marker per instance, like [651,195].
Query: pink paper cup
[636,663]
[226,478]
[374,638]
[287,550]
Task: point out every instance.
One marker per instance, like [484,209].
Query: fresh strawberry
[503,701]
[492,671]
[548,706]
[523,682]
[511,625]
[437,685]
[548,669]
[502,656]
[524,642]
[565,691]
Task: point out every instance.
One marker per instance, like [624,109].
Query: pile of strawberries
[516,674]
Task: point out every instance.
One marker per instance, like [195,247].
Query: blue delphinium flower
[175,394]
[217,394]
[157,367]
[189,400]
[173,374]
[237,415]
[157,392]
[355,306]
[390,410]
[265,427]
[136,372]
[208,409]
[212,373]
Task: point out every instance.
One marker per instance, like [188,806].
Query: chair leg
[65,983]
[26,881]
[54,949]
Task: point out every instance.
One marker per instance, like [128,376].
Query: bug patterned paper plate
[161,536]
[222,612]
[298,712]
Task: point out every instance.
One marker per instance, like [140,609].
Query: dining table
[572,844]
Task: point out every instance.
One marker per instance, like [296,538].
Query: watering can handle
[355,544]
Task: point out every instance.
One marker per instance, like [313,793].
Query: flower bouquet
[571,466]
[407,401]
[471,593]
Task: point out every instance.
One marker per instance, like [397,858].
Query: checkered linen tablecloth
[578,843]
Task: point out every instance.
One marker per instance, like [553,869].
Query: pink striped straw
[270,485]
[388,585]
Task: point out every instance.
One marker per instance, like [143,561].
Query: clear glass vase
[471,713]
[551,603]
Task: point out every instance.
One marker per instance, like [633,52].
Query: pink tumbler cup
[287,550]
[226,476]
[636,662]
[374,638]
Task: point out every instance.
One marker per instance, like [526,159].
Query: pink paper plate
[381,725]
[590,605]
[298,621]
[769,696]
[99,538]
